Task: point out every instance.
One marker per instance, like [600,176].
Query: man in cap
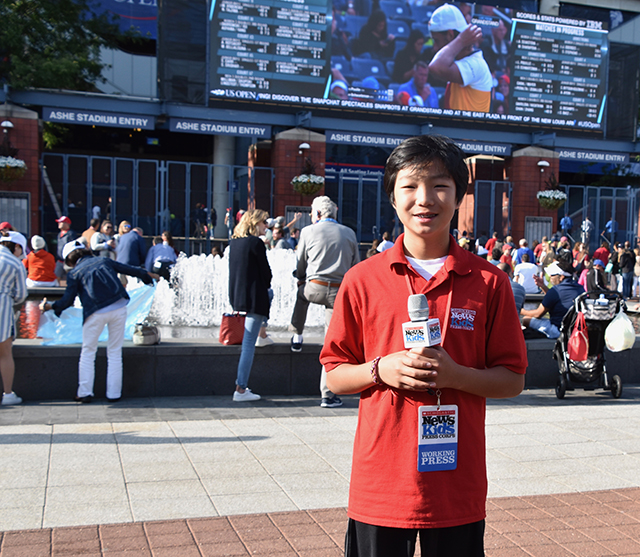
[557,301]
[65,236]
[466,71]
[104,302]
[40,265]
[16,236]
[596,281]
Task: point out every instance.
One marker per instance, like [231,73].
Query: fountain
[192,305]
[199,294]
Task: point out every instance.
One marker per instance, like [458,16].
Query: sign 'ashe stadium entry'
[287,52]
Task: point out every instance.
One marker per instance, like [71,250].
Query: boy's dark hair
[496,253]
[525,258]
[420,151]
[76,255]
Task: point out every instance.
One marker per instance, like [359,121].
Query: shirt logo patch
[462,319]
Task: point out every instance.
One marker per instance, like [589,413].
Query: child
[399,484]
[104,302]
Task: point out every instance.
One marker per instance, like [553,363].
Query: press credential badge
[438,438]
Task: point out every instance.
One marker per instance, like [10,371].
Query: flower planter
[11,169]
[307,184]
[551,200]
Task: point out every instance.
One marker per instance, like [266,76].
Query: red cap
[506,79]
[5,226]
[64,219]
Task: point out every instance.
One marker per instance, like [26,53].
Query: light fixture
[542,165]
[6,125]
[303,147]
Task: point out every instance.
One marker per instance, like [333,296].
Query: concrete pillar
[223,154]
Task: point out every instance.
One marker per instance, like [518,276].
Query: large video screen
[522,69]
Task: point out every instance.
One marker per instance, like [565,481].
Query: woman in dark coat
[249,283]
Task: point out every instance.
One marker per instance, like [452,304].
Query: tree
[53,43]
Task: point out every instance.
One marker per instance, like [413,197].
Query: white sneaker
[247,396]
[267,341]
[11,398]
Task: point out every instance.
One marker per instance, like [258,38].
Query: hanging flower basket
[551,199]
[11,169]
[307,184]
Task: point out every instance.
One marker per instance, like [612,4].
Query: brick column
[526,181]
[25,136]
[288,162]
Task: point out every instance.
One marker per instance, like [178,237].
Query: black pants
[366,540]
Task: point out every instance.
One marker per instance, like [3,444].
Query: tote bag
[231,328]
[578,345]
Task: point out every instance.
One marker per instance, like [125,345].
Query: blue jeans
[627,284]
[544,326]
[252,323]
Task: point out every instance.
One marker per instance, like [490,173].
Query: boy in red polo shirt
[419,450]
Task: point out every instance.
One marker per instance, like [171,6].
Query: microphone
[420,331]
[418,307]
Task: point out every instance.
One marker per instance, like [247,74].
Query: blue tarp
[67,329]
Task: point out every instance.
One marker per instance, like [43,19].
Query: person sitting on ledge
[556,301]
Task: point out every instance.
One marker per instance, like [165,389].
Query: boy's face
[425,200]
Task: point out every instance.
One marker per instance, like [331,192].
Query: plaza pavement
[206,476]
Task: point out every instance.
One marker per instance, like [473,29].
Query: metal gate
[601,205]
[492,208]
[362,203]
[155,195]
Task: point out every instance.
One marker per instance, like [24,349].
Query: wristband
[375,375]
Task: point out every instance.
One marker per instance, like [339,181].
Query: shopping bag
[578,346]
[231,328]
[620,334]
[145,335]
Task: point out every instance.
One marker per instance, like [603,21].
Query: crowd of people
[86,264]
[560,270]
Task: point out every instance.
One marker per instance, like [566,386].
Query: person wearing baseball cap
[595,280]
[469,80]
[40,265]
[5,226]
[104,302]
[65,236]
[557,301]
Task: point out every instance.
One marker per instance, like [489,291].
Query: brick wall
[526,180]
[288,162]
[25,136]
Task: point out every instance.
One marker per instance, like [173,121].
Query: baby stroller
[599,309]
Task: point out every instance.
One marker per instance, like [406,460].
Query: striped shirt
[13,290]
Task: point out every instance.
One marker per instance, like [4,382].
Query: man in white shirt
[524,273]
[386,242]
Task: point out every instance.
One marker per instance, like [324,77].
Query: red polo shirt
[475,305]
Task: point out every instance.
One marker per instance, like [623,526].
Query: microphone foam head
[418,307]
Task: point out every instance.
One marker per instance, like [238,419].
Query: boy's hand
[407,370]
[44,306]
[436,360]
